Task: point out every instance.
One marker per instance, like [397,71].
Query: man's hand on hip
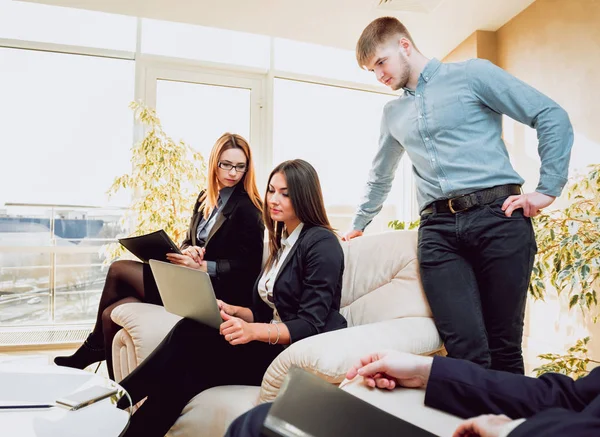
[352,234]
[531,203]
[391,368]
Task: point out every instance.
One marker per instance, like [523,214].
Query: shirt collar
[290,240]
[225,194]
[430,70]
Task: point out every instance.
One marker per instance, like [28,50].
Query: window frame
[150,68]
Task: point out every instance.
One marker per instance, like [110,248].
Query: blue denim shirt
[451,128]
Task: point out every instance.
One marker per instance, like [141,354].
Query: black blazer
[235,243]
[553,404]
[308,287]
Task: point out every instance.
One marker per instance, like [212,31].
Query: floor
[42,357]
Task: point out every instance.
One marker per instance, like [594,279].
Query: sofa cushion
[381,279]
[146,324]
[210,412]
[331,354]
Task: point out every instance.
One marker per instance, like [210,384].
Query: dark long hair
[304,190]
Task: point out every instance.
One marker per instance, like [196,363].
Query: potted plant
[165,180]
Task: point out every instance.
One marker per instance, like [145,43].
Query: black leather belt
[471,200]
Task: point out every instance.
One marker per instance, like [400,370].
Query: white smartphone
[83,398]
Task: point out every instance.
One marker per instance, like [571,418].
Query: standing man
[476,241]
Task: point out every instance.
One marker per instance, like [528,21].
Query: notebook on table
[155,245]
[308,406]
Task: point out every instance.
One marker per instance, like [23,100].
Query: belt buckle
[452,210]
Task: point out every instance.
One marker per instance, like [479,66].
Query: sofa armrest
[146,324]
[330,355]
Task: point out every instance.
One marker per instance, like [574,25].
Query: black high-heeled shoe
[87,354]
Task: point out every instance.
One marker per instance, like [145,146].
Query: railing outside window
[51,262]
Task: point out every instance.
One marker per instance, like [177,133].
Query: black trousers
[192,358]
[475,269]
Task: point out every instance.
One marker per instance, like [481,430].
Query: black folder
[155,245]
[311,407]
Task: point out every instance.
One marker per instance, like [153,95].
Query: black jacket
[235,243]
[553,404]
[308,287]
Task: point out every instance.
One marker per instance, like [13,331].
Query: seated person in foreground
[496,403]
[297,295]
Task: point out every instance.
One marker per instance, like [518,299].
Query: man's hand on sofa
[352,234]
[391,368]
[487,425]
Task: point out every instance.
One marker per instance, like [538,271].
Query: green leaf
[573,301]
[585,272]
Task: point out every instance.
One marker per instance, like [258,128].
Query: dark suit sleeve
[249,424]
[247,221]
[558,422]
[324,260]
[465,389]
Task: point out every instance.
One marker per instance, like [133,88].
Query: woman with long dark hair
[225,239]
[297,295]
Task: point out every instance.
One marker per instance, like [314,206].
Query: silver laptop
[187,292]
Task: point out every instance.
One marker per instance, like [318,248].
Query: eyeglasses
[240,168]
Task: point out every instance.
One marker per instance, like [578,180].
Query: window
[321,61]
[205,43]
[336,130]
[51,24]
[198,114]
[67,133]
[51,262]
[67,128]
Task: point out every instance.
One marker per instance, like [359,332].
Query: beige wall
[554,45]
[481,44]
[465,50]
[487,46]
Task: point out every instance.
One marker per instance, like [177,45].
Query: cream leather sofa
[382,300]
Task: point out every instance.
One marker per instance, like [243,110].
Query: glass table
[38,385]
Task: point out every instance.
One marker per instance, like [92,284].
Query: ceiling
[336,23]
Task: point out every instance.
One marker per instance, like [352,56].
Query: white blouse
[267,280]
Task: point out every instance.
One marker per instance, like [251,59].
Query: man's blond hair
[376,33]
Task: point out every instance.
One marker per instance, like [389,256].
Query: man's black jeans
[475,269]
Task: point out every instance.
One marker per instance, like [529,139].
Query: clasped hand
[191,256]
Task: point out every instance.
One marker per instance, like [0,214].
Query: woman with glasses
[225,239]
[297,295]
